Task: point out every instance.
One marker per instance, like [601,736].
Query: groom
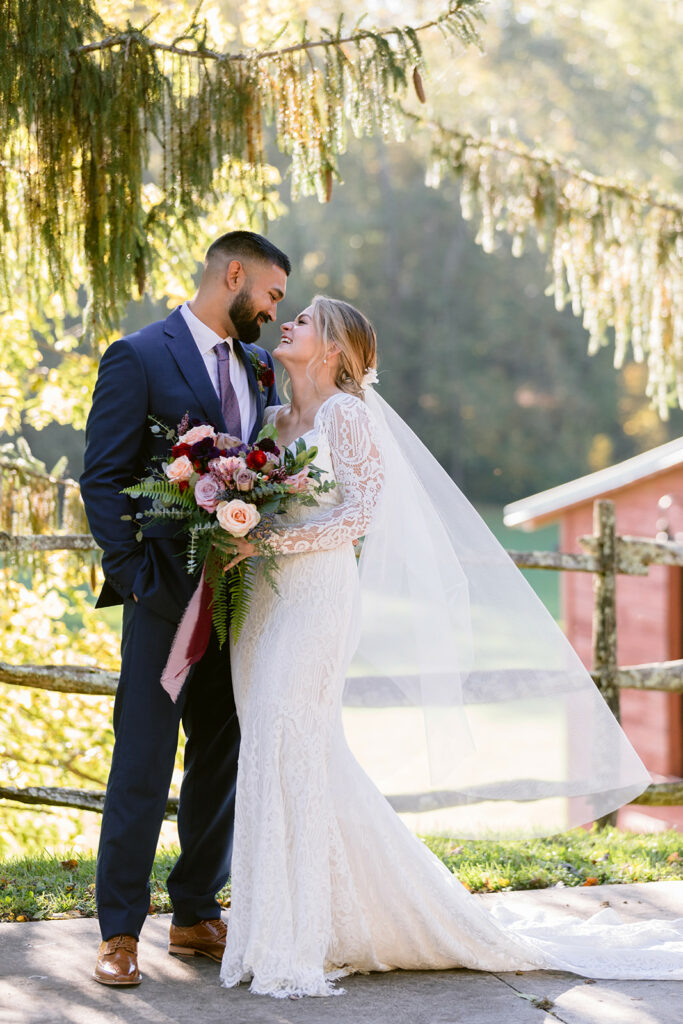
[202,361]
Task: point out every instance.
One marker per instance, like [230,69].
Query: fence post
[605,667]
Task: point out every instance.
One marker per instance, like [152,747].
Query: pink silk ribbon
[191,639]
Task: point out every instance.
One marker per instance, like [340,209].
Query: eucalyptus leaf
[267,430]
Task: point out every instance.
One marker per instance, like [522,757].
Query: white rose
[237,517]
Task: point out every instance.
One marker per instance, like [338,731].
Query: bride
[327,880]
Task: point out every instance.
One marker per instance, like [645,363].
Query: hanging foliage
[114,146]
[615,250]
[86,110]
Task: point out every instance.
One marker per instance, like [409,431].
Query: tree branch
[514,147]
[455,9]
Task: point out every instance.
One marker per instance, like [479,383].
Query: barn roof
[547,505]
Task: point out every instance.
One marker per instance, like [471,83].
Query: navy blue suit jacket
[159,371]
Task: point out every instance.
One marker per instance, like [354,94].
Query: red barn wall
[649,621]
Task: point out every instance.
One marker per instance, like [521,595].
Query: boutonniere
[265,378]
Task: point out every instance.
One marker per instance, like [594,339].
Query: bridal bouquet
[219,488]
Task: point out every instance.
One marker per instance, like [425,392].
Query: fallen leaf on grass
[21,917]
[673,857]
[69,865]
[591,881]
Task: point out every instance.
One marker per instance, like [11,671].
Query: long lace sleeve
[358,471]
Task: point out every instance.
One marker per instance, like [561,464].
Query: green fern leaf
[166,491]
[240,580]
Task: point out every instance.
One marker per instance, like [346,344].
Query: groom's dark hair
[247,245]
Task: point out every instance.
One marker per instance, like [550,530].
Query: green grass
[34,888]
[578,857]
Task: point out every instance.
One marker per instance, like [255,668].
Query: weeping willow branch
[78,209]
[86,113]
[615,250]
[462,13]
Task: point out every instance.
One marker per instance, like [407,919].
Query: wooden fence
[606,555]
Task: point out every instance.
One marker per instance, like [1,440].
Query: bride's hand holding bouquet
[226,495]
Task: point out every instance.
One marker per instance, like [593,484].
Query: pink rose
[299,483]
[205,491]
[180,469]
[198,434]
[236,517]
[225,466]
[244,479]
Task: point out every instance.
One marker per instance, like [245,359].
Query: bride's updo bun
[341,324]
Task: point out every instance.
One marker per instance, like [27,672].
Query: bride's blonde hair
[343,325]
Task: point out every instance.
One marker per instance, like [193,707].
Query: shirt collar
[205,338]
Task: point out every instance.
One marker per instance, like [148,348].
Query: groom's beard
[245,318]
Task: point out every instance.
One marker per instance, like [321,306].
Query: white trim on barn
[526,511]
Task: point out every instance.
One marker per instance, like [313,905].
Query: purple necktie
[229,403]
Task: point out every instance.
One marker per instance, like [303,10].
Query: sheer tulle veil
[464,700]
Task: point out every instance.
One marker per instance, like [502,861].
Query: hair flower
[369,377]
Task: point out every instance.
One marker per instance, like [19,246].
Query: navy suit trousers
[146,724]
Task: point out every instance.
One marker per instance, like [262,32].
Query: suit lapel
[183,348]
[242,354]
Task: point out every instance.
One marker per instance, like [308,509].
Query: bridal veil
[464,701]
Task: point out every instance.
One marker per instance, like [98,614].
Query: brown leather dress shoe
[117,961]
[207,938]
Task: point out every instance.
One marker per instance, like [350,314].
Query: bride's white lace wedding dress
[326,878]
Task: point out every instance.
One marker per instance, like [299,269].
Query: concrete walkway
[45,979]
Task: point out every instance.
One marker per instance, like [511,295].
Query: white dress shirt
[206,340]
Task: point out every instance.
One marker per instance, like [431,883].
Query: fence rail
[606,556]
[47,542]
[634,555]
[77,799]
[660,676]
